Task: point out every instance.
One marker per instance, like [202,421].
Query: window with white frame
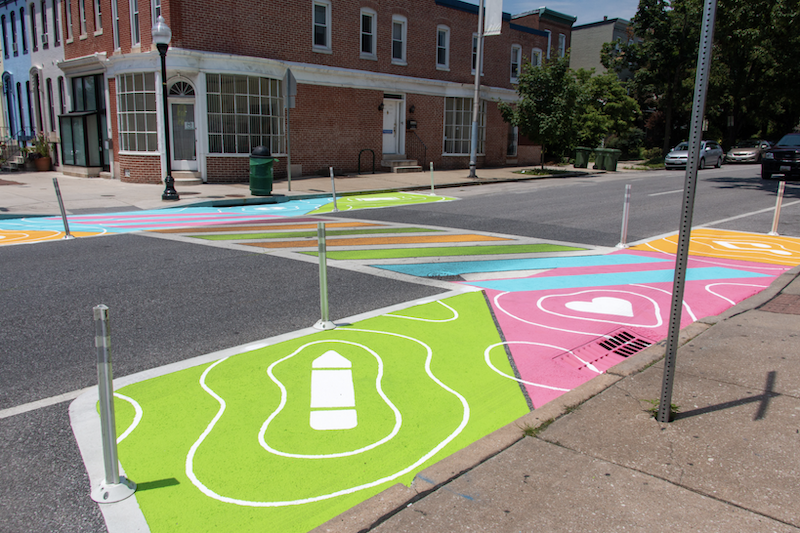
[562,45]
[155,10]
[68,18]
[115,23]
[244,112]
[442,48]
[458,126]
[13,19]
[34,36]
[136,37]
[82,15]
[44,25]
[536,57]
[399,28]
[136,112]
[368,34]
[56,23]
[322,25]
[513,141]
[98,17]
[24,32]
[549,38]
[516,62]
[475,53]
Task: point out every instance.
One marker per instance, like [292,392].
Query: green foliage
[561,109]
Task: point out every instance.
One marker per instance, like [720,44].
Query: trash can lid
[261,151]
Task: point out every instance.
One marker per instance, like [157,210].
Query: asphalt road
[589,210]
[171,300]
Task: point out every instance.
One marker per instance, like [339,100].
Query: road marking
[667,192]
[366,241]
[744,215]
[44,402]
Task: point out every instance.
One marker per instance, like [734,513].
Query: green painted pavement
[311,234]
[399,253]
[421,391]
[371,201]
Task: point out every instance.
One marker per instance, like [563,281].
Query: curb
[372,512]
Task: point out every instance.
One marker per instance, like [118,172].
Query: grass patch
[541,172]
[655,163]
[655,404]
[531,431]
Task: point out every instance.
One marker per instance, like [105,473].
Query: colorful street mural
[37,229]
[285,437]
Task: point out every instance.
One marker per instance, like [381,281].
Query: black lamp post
[162,35]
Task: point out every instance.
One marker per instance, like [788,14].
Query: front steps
[401,165]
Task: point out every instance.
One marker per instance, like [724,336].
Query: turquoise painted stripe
[456,268]
[617,278]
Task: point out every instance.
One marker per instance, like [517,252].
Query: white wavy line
[500,307]
[708,289]
[659,320]
[487,358]
[454,317]
[137,417]
[686,305]
[208,492]
[397,416]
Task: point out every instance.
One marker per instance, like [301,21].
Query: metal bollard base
[324,325]
[622,245]
[113,492]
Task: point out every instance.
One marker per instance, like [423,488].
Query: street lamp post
[162,35]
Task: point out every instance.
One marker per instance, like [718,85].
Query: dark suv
[783,158]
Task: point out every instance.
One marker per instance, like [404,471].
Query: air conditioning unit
[44,39]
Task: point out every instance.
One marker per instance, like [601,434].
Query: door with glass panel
[182,123]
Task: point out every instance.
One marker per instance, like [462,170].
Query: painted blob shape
[603,305]
[332,391]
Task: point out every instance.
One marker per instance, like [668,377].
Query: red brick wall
[227,169]
[142,168]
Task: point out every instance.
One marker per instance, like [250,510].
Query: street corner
[295,433]
[33,236]
[738,246]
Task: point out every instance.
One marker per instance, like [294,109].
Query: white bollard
[333,189]
[323,323]
[778,202]
[623,241]
[433,192]
[113,488]
[67,234]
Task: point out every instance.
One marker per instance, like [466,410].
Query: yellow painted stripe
[28,236]
[376,241]
[266,227]
[752,247]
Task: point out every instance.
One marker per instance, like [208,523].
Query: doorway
[183,126]
[392,125]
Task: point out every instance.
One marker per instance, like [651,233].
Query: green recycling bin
[611,159]
[582,157]
[261,171]
[600,158]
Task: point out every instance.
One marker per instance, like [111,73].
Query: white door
[391,126]
[184,152]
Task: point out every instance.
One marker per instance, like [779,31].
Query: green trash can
[611,159]
[600,158]
[261,171]
[582,157]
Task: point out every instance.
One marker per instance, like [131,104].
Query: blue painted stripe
[456,268]
[618,278]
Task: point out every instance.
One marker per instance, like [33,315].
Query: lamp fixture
[380,107]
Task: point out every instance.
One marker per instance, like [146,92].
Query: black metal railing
[373,159]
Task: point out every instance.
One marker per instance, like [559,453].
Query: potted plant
[40,153]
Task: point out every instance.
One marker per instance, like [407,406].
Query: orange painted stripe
[270,227]
[369,241]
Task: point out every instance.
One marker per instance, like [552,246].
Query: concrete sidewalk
[596,460]
[33,193]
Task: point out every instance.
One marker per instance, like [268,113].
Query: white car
[710,153]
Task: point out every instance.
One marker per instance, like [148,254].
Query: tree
[547,108]
[560,108]
[605,107]
[663,61]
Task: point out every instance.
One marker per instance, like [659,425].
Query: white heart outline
[656,308]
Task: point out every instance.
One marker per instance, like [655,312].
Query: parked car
[710,152]
[783,158]
[749,151]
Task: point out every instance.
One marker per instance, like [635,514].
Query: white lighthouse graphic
[333,397]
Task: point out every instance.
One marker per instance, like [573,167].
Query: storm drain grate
[619,344]
[624,344]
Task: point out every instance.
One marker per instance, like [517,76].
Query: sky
[587,11]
